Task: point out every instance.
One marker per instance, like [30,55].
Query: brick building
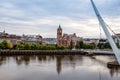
[12,38]
[65,39]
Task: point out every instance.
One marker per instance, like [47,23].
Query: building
[31,39]
[94,40]
[49,41]
[12,38]
[65,39]
[116,38]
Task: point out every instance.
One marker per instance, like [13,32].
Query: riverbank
[42,52]
[56,52]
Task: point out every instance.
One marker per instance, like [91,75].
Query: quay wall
[41,52]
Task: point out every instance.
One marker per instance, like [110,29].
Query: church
[66,39]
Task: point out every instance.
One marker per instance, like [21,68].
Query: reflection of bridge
[107,33]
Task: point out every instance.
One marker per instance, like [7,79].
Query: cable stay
[100,31]
[110,30]
[107,33]
[113,33]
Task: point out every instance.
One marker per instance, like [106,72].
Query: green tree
[92,45]
[60,47]
[33,46]
[80,45]
[20,46]
[1,46]
[101,45]
[5,44]
[71,44]
[26,46]
[10,45]
[107,45]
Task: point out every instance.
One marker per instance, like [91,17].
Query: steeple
[59,27]
[59,35]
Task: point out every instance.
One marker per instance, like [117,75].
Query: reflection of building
[65,39]
[114,71]
[32,39]
[59,63]
[14,39]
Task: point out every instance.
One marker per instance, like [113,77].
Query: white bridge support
[107,33]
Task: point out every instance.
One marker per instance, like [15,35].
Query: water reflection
[114,71]
[81,65]
[26,60]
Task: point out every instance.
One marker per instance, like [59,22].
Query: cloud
[44,16]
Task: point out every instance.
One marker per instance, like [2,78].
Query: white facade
[32,39]
[50,41]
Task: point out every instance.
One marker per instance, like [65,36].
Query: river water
[64,67]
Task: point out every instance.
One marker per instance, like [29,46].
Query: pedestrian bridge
[98,52]
[107,33]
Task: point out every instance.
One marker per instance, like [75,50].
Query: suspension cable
[113,32]
[100,31]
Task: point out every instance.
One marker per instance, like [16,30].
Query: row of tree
[38,47]
[22,46]
[5,45]
[82,45]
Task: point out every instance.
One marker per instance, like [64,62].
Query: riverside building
[65,39]
[12,38]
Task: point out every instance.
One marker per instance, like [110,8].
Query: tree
[60,47]
[5,44]
[20,46]
[1,46]
[71,44]
[10,45]
[107,45]
[80,45]
[33,46]
[93,45]
[27,46]
[101,45]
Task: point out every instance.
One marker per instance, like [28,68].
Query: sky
[32,17]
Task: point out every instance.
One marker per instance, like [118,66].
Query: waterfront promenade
[56,52]
[41,52]
[98,52]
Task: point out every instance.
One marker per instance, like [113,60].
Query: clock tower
[59,35]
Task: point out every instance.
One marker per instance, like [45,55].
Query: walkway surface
[99,52]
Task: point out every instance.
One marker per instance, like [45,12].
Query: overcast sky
[44,16]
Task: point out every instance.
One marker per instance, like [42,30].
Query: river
[57,67]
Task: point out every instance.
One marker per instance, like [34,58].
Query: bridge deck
[99,52]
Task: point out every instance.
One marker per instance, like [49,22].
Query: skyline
[43,17]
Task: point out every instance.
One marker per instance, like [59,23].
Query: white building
[94,40]
[50,41]
[32,39]
[14,39]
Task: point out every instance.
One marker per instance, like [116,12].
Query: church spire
[60,27]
